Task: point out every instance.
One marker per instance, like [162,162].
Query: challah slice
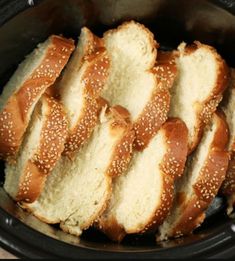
[77,191]
[132,81]
[40,150]
[142,197]
[204,173]
[20,95]
[228,187]
[202,78]
[80,86]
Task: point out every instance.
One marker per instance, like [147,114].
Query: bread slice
[142,198]
[132,82]
[77,191]
[204,173]
[80,86]
[202,78]
[42,146]
[20,95]
[228,187]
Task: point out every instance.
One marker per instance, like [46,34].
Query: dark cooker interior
[170,21]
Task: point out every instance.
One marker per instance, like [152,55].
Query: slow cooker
[23,24]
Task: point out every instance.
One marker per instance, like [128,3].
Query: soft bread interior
[14,172]
[132,53]
[76,191]
[196,80]
[195,163]
[24,71]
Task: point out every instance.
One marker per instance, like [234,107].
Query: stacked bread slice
[20,95]
[40,150]
[142,197]
[132,82]
[78,190]
[204,173]
[198,89]
[80,87]
[228,106]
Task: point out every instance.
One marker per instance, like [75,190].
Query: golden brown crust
[84,127]
[206,109]
[212,174]
[123,153]
[96,73]
[15,116]
[155,112]
[51,145]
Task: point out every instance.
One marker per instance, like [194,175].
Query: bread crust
[156,110]
[51,145]
[212,174]
[123,153]
[206,109]
[15,116]
[176,138]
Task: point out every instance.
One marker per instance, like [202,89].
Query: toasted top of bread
[20,95]
[202,78]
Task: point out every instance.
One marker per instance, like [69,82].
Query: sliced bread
[20,95]
[204,173]
[80,86]
[132,82]
[42,146]
[228,106]
[142,197]
[78,190]
[202,78]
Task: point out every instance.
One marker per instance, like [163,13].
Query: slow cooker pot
[23,24]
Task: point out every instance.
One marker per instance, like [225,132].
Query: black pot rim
[24,241]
